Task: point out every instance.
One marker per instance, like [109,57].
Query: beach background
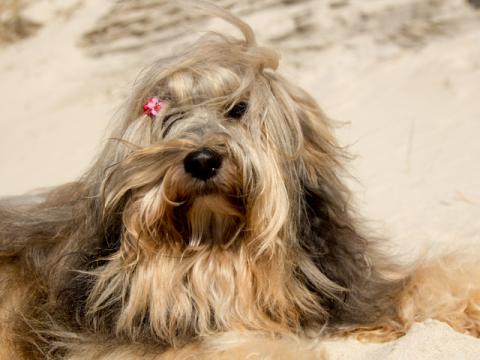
[401,77]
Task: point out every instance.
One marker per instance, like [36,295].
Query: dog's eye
[171,119]
[238,110]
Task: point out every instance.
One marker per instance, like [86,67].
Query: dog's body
[218,228]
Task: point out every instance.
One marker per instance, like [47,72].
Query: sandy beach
[401,78]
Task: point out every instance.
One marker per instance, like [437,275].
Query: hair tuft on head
[268,58]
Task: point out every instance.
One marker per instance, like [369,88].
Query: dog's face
[216,195]
[213,158]
[225,160]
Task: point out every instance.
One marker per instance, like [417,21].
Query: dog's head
[226,161]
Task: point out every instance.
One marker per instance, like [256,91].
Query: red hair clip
[152,107]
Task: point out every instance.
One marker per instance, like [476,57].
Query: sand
[402,76]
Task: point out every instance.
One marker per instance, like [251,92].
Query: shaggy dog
[214,226]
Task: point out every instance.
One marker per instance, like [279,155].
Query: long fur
[138,260]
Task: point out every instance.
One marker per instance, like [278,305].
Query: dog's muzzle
[202,164]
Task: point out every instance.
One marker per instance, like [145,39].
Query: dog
[214,224]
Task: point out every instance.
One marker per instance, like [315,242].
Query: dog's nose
[202,164]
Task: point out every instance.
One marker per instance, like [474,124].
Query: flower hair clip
[152,107]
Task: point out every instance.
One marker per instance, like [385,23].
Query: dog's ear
[330,236]
[321,161]
[323,197]
[330,232]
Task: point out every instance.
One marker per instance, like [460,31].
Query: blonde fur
[137,259]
